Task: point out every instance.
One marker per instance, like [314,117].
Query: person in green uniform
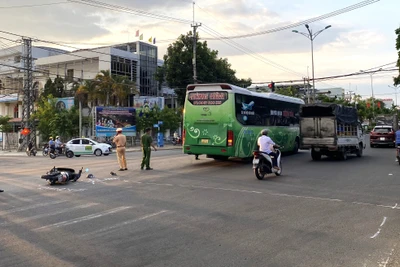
[146,142]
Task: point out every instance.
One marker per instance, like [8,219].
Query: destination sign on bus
[207,98]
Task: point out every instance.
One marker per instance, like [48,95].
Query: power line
[308,21]
[128,10]
[38,5]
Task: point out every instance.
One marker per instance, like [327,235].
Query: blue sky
[358,40]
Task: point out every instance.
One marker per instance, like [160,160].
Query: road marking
[113,227]
[61,189]
[384,263]
[31,207]
[267,193]
[39,216]
[379,229]
[81,219]
[201,187]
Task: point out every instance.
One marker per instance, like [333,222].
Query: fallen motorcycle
[61,175]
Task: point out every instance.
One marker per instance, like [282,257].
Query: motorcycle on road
[262,164]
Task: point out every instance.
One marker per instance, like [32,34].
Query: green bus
[222,120]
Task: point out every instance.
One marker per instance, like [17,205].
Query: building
[11,78]
[137,61]
[388,102]
[332,92]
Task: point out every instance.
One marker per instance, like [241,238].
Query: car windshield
[382,130]
[92,141]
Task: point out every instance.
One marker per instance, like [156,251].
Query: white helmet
[264,132]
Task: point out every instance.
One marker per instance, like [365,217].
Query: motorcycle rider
[397,143]
[58,145]
[52,145]
[265,144]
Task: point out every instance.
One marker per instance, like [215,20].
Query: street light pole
[372,90]
[311,36]
[395,92]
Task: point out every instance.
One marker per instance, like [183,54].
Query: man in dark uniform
[146,142]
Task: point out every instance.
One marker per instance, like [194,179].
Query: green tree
[52,122]
[178,66]
[290,91]
[396,80]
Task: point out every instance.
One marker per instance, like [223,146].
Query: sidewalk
[14,153]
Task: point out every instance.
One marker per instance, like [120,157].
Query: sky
[360,39]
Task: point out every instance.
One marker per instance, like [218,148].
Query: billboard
[64,103]
[108,119]
[146,103]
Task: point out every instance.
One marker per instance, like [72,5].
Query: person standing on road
[120,142]
[146,142]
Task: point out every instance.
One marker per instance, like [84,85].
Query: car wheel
[77,156]
[98,152]
[69,154]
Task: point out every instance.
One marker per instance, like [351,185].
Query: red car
[382,135]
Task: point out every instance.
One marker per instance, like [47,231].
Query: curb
[23,153]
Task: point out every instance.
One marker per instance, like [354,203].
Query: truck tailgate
[317,131]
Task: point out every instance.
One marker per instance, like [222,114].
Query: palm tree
[104,83]
[121,88]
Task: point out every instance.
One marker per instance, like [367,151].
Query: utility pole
[28,97]
[194,26]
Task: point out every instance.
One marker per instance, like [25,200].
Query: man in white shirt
[58,144]
[265,144]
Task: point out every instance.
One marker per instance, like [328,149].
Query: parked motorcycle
[262,164]
[177,141]
[30,150]
[61,175]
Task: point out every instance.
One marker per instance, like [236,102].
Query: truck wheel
[315,155]
[360,150]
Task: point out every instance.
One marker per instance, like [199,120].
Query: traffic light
[272,86]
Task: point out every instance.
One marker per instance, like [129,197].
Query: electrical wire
[38,5]
[138,12]
[308,21]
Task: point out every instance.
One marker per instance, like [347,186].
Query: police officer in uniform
[120,142]
[146,142]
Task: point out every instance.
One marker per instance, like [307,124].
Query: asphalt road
[202,213]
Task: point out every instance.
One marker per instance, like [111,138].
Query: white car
[86,146]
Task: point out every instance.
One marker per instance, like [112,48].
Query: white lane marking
[39,216]
[202,187]
[267,193]
[384,263]
[61,189]
[376,234]
[379,229]
[383,222]
[113,227]
[81,219]
[48,202]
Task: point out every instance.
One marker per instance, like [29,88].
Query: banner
[64,103]
[147,103]
[108,119]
